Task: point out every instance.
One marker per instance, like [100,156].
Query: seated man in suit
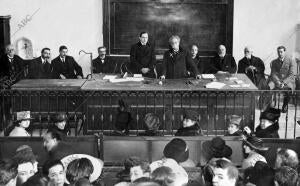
[177,60]
[142,57]
[283,70]
[11,65]
[223,62]
[40,68]
[65,67]
[197,60]
[253,67]
[103,64]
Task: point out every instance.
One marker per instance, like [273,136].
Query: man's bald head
[10,50]
[286,157]
[221,50]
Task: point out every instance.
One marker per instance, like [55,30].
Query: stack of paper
[208,76]
[109,77]
[215,85]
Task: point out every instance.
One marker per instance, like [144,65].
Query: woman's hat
[217,148]
[255,143]
[97,164]
[271,114]
[24,115]
[152,121]
[177,149]
[235,119]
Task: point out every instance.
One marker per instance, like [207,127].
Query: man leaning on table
[176,61]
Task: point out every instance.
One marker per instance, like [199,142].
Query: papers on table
[109,77]
[127,79]
[215,85]
[208,76]
[240,86]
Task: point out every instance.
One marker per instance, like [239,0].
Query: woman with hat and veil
[254,149]
[22,123]
[61,124]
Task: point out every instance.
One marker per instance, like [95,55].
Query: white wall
[74,23]
[263,24]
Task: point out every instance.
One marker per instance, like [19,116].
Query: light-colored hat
[23,115]
[97,164]
[235,119]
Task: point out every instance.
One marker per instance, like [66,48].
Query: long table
[98,99]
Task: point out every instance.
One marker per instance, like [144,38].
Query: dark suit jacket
[8,69]
[175,65]
[107,67]
[226,64]
[256,62]
[199,64]
[70,68]
[38,70]
[141,57]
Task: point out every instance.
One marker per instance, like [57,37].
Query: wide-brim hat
[152,121]
[190,114]
[177,149]
[255,143]
[24,115]
[217,148]
[97,164]
[271,114]
[60,117]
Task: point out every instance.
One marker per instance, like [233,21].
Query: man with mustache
[103,64]
[40,68]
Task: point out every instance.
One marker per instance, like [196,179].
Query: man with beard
[253,67]
[40,68]
[103,64]
[222,62]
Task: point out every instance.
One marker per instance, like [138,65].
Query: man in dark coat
[40,68]
[12,66]
[190,125]
[103,64]
[142,57]
[65,67]
[253,67]
[223,62]
[176,61]
[197,60]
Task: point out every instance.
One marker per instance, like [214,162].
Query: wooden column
[4,32]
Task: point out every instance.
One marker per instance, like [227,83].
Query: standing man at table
[177,60]
[223,62]
[40,68]
[253,67]
[65,67]
[103,64]
[142,57]
[283,70]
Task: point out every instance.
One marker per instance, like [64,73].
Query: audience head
[138,168]
[174,42]
[253,144]
[286,157]
[25,170]
[177,150]
[152,122]
[54,170]
[23,119]
[79,168]
[161,174]
[60,120]
[286,176]
[51,139]
[260,175]
[63,50]
[8,172]
[281,52]
[225,173]
[269,117]
[248,52]
[83,182]
[102,52]
[45,53]
[221,50]
[36,180]
[24,153]
[194,51]
[234,123]
[10,50]
[143,38]
[190,118]
[216,148]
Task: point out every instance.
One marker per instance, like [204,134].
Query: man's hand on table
[79,77]
[62,76]
[162,77]
[145,70]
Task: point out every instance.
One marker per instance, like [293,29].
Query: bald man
[222,62]
[11,65]
[253,67]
